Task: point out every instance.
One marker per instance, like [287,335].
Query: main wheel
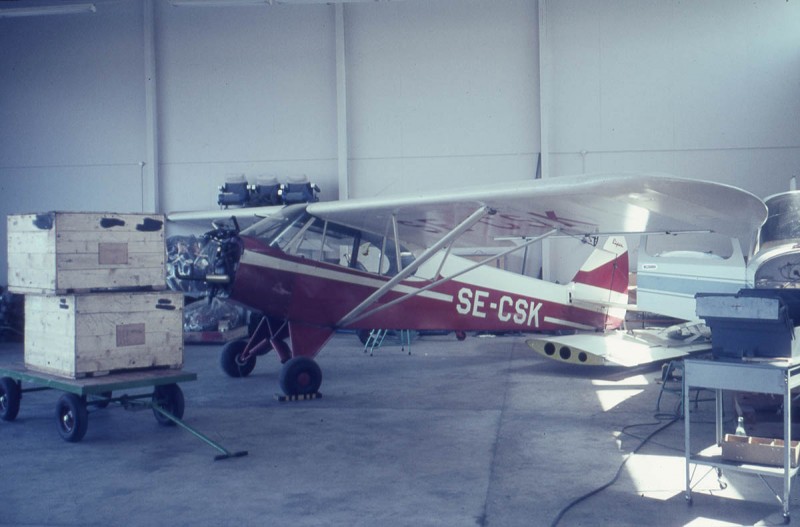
[9,399]
[231,359]
[170,398]
[300,376]
[73,419]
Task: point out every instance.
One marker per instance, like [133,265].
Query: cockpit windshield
[274,224]
[298,233]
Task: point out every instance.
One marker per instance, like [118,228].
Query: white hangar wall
[72,118]
[441,94]
[707,90]
[244,90]
[437,94]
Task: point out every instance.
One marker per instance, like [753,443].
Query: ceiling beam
[46,10]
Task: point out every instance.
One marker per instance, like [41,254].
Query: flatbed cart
[166,399]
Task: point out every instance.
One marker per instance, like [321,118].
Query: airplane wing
[245,216]
[623,348]
[575,205]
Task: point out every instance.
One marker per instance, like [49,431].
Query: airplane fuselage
[317,293]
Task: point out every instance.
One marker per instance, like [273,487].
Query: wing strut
[448,278]
[396,242]
[465,225]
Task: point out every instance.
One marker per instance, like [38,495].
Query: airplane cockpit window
[304,240]
[352,248]
[322,241]
[298,233]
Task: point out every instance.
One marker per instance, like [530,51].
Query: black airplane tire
[300,376]
[73,419]
[229,359]
[170,398]
[9,399]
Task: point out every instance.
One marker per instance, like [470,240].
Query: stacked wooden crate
[95,292]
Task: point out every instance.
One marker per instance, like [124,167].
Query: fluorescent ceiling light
[217,3]
[225,3]
[63,9]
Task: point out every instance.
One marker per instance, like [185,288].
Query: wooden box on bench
[63,252]
[88,334]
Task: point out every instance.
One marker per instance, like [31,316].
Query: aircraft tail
[602,281]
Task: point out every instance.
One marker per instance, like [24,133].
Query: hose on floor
[613,480]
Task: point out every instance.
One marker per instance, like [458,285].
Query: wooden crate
[96,333]
[63,252]
[758,450]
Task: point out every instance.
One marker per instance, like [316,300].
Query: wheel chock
[300,397]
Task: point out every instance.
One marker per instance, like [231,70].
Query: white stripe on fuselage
[271,262]
[482,276]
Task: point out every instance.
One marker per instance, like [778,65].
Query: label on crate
[130,335]
[112,253]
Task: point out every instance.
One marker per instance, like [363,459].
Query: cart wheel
[230,359]
[9,399]
[73,419]
[170,398]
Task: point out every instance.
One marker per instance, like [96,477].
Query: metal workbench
[772,377]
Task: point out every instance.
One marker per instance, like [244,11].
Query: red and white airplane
[315,268]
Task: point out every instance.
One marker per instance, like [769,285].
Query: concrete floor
[473,433]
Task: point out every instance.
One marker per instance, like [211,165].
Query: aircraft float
[312,269]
